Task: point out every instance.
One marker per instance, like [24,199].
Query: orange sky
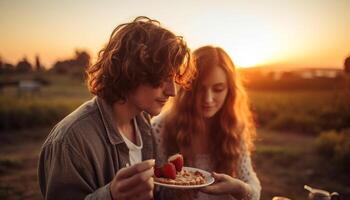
[312,33]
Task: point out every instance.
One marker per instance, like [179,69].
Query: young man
[104,149]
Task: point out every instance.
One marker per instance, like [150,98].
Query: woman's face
[212,91]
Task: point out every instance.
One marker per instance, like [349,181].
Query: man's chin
[154,112]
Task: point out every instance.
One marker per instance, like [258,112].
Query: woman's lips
[207,107]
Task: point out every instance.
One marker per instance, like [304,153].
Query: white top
[245,170]
[135,153]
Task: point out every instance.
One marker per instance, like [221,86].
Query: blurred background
[293,55]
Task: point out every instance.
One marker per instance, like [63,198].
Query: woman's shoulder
[158,134]
[157,123]
[159,119]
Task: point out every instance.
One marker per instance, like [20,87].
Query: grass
[45,108]
[9,163]
[286,161]
[307,111]
[19,152]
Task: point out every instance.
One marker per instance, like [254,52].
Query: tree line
[75,65]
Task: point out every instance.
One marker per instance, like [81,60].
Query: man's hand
[134,182]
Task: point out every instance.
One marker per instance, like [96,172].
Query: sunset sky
[300,33]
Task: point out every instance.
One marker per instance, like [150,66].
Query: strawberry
[169,171]
[177,160]
[158,171]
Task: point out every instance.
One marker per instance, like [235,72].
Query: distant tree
[289,75]
[73,66]
[347,65]
[60,67]
[347,71]
[8,67]
[82,58]
[24,66]
[38,66]
[1,65]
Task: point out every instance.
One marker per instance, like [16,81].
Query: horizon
[297,34]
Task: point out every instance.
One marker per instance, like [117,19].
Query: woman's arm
[246,186]
[246,173]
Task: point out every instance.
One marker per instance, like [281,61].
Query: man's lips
[163,101]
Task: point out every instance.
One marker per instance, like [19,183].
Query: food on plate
[174,173]
[177,160]
[158,172]
[168,171]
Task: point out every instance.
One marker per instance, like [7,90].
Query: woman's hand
[225,184]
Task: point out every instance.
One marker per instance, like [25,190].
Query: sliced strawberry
[158,171]
[169,171]
[177,160]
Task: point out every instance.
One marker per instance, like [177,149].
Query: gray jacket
[84,151]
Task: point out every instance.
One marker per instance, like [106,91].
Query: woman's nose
[208,97]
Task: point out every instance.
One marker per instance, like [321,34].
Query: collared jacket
[84,151]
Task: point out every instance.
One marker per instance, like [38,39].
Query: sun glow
[245,57]
[253,50]
[299,33]
[247,39]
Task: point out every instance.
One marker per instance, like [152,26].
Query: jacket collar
[113,134]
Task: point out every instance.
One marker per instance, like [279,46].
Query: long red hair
[233,128]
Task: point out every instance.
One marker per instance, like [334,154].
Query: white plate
[209,180]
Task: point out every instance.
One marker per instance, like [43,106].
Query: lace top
[245,170]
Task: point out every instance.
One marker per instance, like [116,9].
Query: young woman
[211,125]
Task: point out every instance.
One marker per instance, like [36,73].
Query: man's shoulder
[79,118]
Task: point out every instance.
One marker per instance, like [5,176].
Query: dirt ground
[284,163]
[18,163]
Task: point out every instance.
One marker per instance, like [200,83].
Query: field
[286,157]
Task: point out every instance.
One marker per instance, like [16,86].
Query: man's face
[152,99]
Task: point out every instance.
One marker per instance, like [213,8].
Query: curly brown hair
[139,52]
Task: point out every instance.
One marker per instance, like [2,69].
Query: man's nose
[170,89]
